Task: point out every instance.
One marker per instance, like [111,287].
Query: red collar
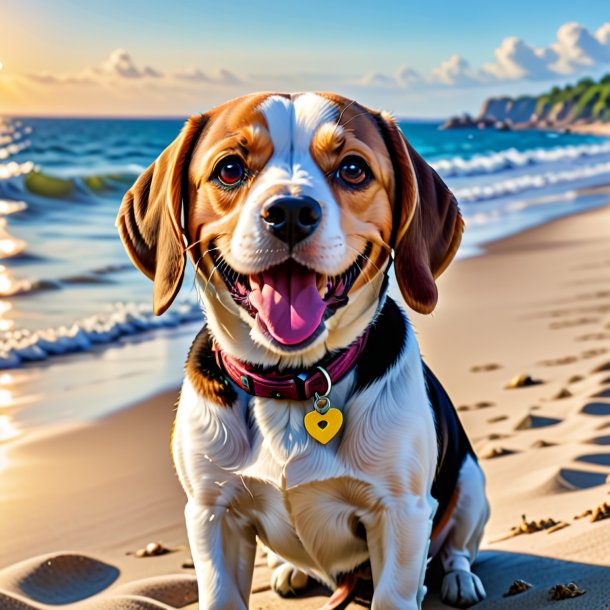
[302,386]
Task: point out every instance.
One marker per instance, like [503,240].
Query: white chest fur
[305,500]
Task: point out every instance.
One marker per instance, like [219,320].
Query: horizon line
[175,117]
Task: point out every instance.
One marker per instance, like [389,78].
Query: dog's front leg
[398,537]
[223,546]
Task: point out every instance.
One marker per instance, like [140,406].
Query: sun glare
[1,66]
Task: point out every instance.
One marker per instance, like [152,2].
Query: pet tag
[324,421]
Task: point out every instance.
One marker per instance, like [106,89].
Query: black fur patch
[384,345]
[453,444]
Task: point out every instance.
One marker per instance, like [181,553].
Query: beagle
[307,419]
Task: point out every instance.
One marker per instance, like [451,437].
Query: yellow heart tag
[323,427]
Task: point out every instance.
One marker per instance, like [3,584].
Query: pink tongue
[288,302]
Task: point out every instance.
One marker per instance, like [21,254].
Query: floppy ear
[149,217]
[427,227]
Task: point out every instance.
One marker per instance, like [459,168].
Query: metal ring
[316,399]
[328,380]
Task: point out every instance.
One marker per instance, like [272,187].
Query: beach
[80,499]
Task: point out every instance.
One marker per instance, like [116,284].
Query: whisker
[354,117]
[367,258]
[345,108]
[377,242]
[367,277]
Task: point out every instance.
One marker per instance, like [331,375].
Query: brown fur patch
[205,375]
[366,213]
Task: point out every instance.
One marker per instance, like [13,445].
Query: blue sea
[75,323]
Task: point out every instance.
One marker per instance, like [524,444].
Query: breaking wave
[527,182]
[512,158]
[125,319]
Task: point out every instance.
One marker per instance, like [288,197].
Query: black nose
[292,219]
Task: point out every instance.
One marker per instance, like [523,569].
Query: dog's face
[290,207]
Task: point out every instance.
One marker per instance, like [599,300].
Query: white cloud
[576,48]
[454,71]
[220,77]
[119,64]
[603,34]
[404,78]
[516,60]
[575,51]
[376,79]
[408,77]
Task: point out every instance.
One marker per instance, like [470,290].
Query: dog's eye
[354,171]
[230,171]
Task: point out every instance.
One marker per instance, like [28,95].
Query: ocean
[76,328]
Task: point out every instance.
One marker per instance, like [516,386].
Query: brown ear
[149,217]
[427,222]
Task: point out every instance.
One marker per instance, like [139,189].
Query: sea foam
[22,346]
[526,182]
[512,158]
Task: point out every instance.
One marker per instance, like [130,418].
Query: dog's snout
[292,219]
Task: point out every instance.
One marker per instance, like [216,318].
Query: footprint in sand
[536,421]
[58,579]
[602,368]
[571,323]
[599,459]
[571,480]
[126,603]
[593,337]
[498,418]
[558,361]
[600,440]
[483,404]
[66,578]
[8,602]
[562,393]
[176,590]
[483,368]
[596,408]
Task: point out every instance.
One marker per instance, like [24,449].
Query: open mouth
[289,301]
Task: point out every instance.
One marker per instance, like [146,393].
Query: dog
[307,418]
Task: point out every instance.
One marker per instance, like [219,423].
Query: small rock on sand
[152,549]
[521,381]
[517,586]
[540,444]
[568,591]
[494,452]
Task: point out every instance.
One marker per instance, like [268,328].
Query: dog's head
[290,207]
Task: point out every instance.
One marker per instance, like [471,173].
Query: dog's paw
[462,589]
[287,580]
[273,560]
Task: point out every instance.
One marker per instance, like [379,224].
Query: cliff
[585,103]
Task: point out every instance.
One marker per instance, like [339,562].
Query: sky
[427,59]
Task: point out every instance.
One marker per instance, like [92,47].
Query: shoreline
[534,303]
[36,389]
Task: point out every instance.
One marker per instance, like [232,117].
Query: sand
[76,504]
[595,129]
